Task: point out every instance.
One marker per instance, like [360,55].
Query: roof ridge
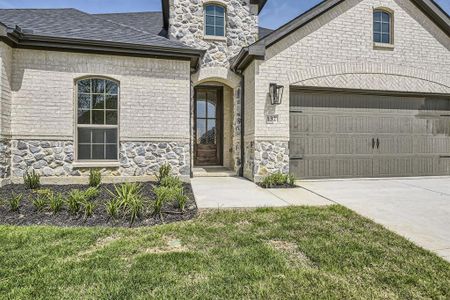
[129,12]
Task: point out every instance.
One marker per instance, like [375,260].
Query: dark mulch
[283,186]
[27,214]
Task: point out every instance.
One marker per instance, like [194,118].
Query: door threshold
[212,171]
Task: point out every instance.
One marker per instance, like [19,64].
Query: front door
[208,133]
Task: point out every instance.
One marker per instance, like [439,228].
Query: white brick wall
[341,39]
[154,94]
[5,89]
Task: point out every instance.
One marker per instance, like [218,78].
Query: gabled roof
[75,30]
[151,22]
[257,50]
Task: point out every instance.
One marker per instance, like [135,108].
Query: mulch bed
[284,186]
[27,214]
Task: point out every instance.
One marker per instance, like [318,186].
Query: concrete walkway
[416,208]
[234,192]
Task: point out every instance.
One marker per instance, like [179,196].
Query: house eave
[31,41]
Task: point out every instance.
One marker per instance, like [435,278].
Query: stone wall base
[270,157]
[54,161]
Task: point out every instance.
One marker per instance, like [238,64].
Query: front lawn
[305,253]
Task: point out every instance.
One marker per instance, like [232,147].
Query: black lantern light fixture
[276,93]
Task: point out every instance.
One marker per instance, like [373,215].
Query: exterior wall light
[276,93]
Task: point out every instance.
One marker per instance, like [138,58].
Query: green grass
[306,253]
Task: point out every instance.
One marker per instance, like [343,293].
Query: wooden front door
[208,126]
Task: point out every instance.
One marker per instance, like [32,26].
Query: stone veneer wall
[270,157]
[5,159]
[56,158]
[187,26]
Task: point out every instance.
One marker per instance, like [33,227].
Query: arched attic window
[383,26]
[214,20]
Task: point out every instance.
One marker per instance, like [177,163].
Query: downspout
[191,155]
[241,170]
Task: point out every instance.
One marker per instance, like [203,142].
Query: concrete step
[212,172]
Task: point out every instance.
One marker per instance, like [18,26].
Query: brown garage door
[336,135]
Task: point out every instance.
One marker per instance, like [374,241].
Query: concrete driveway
[416,208]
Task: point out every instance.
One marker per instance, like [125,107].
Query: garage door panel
[334,135]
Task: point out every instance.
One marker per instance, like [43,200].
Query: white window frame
[217,37]
[390,12]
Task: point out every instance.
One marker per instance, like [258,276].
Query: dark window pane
[84,135]
[377,37]
[111,136]
[209,30]
[84,152]
[211,132]
[209,21]
[98,117]
[201,109]
[377,27]
[111,87]
[84,117]
[98,101]
[98,86]
[385,38]
[220,31]
[111,102]
[210,9]
[386,17]
[201,131]
[220,21]
[385,28]
[111,117]
[84,86]
[84,101]
[220,11]
[111,152]
[98,152]
[377,16]
[98,136]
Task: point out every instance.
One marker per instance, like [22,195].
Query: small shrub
[128,196]
[14,202]
[277,179]
[112,208]
[56,203]
[88,208]
[171,182]
[91,193]
[164,171]
[42,199]
[32,180]
[74,201]
[95,178]
[181,199]
[163,195]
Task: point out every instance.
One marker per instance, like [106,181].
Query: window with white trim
[382,27]
[97,119]
[214,20]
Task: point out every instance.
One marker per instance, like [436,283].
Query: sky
[275,13]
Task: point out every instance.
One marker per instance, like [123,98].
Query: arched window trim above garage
[97,119]
[215,14]
[383,26]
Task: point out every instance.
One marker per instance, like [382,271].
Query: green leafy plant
[112,208]
[75,200]
[14,202]
[91,193]
[32,180]
[89,208]
[129,198]
[56,203]
[181,199]
[163,195]
[164,171]
[171,182]
[42,198]
[95,178]
[277,180]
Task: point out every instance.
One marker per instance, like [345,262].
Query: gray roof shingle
[151,22]
[75,24]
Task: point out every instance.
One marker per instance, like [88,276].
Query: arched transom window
[214,20]
[97,122]
[382,27]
